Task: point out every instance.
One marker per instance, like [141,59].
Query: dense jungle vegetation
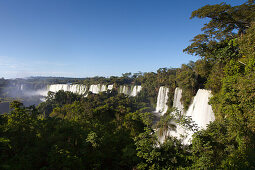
[113,131]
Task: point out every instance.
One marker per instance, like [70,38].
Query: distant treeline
[112,131]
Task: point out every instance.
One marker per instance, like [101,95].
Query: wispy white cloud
[24,74]
[50,63]
[12,68]
[10,63]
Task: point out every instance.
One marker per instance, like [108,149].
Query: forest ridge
[113,131]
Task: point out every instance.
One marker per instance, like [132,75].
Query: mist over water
[27,93]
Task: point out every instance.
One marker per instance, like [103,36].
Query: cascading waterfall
[130,91]
[124,89]
[21,87]
[162,107]
[177,99]
[199,111]
[179,131]
[99,88]
[135,90]
[110,87]
[75,88]
[162,100]
[94,88]
[79,89]
[103,88]
[57,87]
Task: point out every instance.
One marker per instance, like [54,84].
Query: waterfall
[97,88]
[199,111]
[177,100]
[161,108]
[94,88]
[130,91]
[57,87]
[161,104]
[75,88]
[124,89]
[135,90]
[100,88]
[21,87]
[103,88]
[162,100]
[110,87]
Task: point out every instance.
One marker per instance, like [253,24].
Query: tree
[227,44]
[187,80]
[224,21]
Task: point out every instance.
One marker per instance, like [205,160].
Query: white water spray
[130,91]
[135,90]
[97,88]
[199,111]
[177,100]
[162,100]
[75,88]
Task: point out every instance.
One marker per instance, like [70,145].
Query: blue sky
[84,38]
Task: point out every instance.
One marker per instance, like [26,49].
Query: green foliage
[169,155]
[94,132]
[113,131]
[225,18]
[165,124]
[217,148]
[187,80]
[59,99]
[214,79]
[229,141]
[247,43]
